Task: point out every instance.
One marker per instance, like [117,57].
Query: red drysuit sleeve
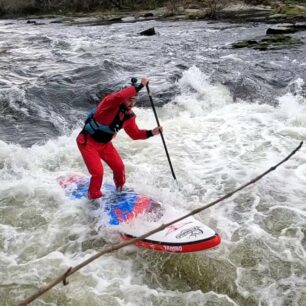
[109,106]
[134,132]
[116,98]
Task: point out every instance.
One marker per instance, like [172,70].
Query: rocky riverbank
[242,14]
[238,12]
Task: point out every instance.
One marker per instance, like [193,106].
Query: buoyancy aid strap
[117,123]
[92,126]
[104,133]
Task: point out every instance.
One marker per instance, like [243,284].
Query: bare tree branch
[109,249]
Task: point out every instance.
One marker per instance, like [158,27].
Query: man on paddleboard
[113,113]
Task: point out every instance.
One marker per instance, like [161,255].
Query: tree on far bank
[213,7]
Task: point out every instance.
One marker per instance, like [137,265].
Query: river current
[228,115]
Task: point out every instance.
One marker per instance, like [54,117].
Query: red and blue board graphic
[119,206]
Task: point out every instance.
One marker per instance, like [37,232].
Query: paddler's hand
[144,82]
[157,130]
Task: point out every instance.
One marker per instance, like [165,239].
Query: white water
[215,146]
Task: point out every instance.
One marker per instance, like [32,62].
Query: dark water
[52,74]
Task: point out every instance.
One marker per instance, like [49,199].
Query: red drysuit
[93,148]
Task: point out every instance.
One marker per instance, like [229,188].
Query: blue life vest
[104,133]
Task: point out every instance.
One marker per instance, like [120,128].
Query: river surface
[228,115]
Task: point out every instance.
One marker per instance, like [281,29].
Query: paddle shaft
[161,133]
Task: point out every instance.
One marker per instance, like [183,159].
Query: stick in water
[63,278]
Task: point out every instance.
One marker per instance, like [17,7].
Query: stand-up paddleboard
[124,209]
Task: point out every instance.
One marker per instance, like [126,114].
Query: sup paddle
[161,133]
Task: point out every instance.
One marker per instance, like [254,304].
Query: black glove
[137,86]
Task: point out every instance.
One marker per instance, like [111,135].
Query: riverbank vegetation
[203,8]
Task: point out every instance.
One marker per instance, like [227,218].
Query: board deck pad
[135,214]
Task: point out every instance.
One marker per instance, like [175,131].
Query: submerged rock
[34,22]
[301,26]
[282,29]
[148,32]
[269,42]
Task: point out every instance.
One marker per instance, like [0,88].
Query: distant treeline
[38,6]
[25,7]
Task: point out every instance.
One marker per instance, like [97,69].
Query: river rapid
[228,115]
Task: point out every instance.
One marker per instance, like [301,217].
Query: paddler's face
[130,102]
